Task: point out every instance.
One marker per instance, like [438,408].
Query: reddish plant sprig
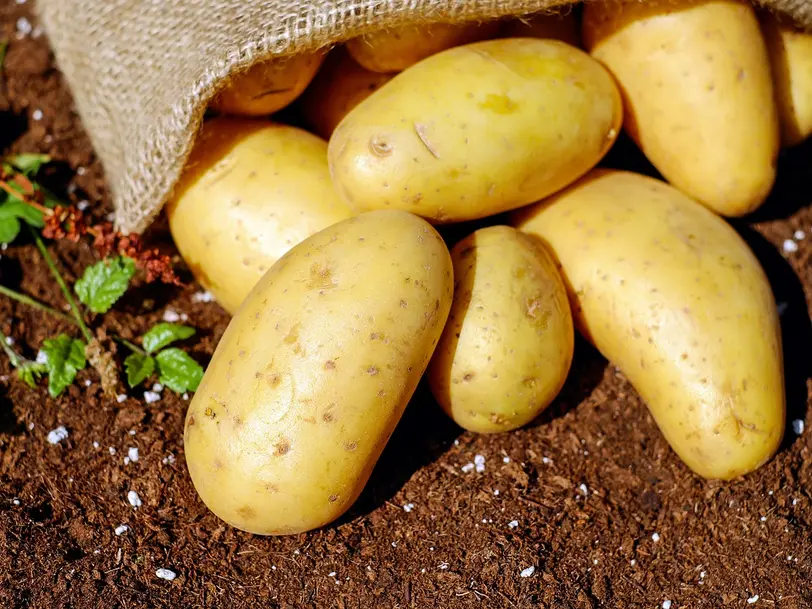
[69,222]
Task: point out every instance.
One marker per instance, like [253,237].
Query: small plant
[25,203]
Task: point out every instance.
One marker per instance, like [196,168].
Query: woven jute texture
[143,71]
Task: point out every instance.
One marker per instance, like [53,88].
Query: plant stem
[16,359]
[62,286]
[8,292]
[130,345]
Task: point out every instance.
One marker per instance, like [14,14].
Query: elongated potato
[251,191]
[477,130]
[314,372]
[563,26]
[698,93]
[791,56]
[267,86]
[339,86]
[397,49]
[508,344]
[671,294]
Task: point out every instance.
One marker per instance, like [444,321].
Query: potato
[267,86]
[671,294]
[314,372]
[508,344]
[477,130]
[790,52]
[251,190]
[395,50]
[563,26]
[698,93]
[340,85]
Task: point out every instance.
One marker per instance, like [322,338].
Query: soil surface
[586,508]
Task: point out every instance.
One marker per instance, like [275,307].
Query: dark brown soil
[641,530]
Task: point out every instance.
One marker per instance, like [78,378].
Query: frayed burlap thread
[143,71]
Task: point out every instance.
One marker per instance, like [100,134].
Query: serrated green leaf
[139,368]
[15,208]
[31,372]
[163,334]
[28,163]
[9,229]
[104,283]
[65,357]
[178,371]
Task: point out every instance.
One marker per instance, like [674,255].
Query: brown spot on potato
[529,382]
[321,278]
[330,364]
[379,146]
[190,421]
[497,419]
[468,376]
[274,379]
[209,412]
[332,498]
[282,447]
[373,371]
[247,512]
[350,446]
[403,304]
[216,463]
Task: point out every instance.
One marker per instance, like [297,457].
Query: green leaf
[15,208]
[178,371]
[139,368]
[163,334]
[29,163]
[104,283]
[66,356]
[9,229]
[31,372]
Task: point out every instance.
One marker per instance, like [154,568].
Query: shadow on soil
[9,425]
[796,327]
[793,186]
[422,436]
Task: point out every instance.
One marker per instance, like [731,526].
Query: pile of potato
[324,241]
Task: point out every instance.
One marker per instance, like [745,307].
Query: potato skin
[508,344]
[563,26]
[251,190]
[790,52]
[671,294]
[267,86]
[477,130]
[698,93]
[340,85]
[314,372]
[397,49]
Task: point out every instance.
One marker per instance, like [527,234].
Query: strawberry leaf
[105,282]
[178,371]
[163,334]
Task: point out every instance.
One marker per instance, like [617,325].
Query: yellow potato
[671,294]
[251,190]
[267,86]
[698,93]
[314,372]
[397,49]
[563,26]
[339,86]
[477,130]
[790,52]
[508,343]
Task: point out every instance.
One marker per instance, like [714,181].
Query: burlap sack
[143,71]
